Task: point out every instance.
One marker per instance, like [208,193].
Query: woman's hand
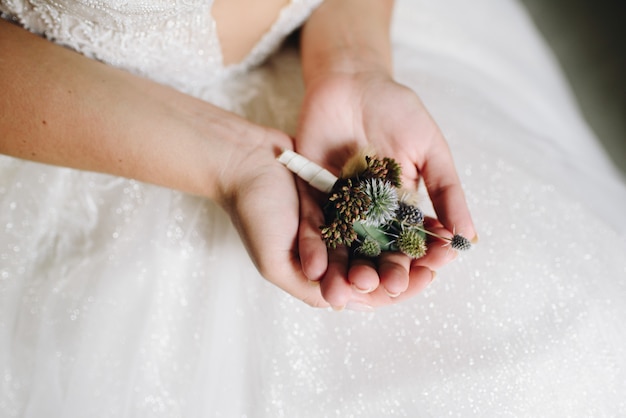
[352,104]
[344,113]
[99,118]
[261,198]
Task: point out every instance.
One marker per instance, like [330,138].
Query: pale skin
[352,103]
[102,119]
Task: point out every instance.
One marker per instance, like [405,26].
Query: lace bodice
[171,41]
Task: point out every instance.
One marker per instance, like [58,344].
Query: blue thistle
[409,214]
[459,242]
[384,201]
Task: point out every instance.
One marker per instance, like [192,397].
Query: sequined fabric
[121,299]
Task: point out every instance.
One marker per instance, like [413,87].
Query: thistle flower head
[369,247]
[409,214]
[459,242]
[383,201]
[412,242]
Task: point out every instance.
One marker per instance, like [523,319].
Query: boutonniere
[366,208]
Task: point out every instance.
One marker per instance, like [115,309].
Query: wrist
[238,153]
[347,36]
[189,144]
[346,60]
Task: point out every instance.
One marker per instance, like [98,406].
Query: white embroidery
[170,41]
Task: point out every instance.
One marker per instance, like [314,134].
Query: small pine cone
[459,242]
[412,243]
[409,214]
[369,247]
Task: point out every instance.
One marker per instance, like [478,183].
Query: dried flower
[386,169]
[348,202]
[409,214]
[411,241]
[369,247]
[383,201]
[364,211]
[459,242]
[338,233]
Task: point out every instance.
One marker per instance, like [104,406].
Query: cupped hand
[344,114]
[261,197]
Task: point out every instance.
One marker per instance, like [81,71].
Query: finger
[311,247]
[419,279]
[445,191]
[393,268]
[335,287]
[282,268]
[363,275]
[310,294]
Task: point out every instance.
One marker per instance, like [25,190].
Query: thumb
[311,248]
[445,191]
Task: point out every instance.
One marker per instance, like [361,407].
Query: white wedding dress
[121,299]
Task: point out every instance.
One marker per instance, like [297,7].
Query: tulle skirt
[122,299]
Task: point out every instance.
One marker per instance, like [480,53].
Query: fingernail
[359,307]
[363,291]
[434,275]
[475,239]
[338,308]
[392,295]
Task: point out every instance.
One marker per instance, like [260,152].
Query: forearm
[347,36]
[58,107]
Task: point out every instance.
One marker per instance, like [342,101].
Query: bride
[126,289]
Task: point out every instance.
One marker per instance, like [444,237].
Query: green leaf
[381,235]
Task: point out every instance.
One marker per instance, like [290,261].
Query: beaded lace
[170,41]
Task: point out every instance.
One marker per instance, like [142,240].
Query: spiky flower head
[386,169]
[459,242]
[369,247]
[412,242]
[383,201]
[409,214]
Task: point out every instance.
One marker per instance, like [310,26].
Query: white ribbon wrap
[318,177]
